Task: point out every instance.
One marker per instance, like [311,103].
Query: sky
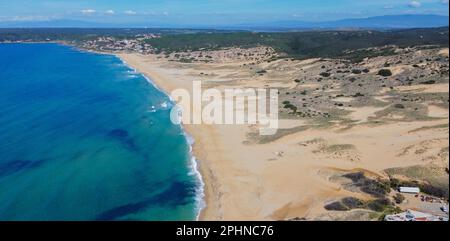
[211,11]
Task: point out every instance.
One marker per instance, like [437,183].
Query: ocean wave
[166,105]
[200,191]
[195,172]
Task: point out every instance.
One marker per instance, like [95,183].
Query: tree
[399,198]
[385,72]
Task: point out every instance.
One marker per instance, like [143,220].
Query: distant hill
[379,22]
[397,21]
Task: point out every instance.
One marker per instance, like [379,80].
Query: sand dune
[284,179]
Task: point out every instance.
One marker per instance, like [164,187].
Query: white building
[414,190]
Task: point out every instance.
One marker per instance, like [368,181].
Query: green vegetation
[351,45]
[440,190]
[84,34]
[336,206]
[287,105]
[325,74]
[338,148]
[429,82]
[186,60]
[399,106]
[385,72]
[206,41]
[292,107]
[352,202]
[431,180]
[261,71]
[382,206]
[436,189]
[356,71]
[379,205]
[375,188]
[255,137]
[66,34]
[399,198]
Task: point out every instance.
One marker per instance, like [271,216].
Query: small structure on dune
[413,190]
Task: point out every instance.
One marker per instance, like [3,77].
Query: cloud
[414,4]
[445,2]
[88,11]
[130,12]
[29,18]
[110,12]
[388,7]
[165,13]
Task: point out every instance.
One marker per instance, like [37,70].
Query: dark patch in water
[179,193]
[129,144]
[15,166]
[118,133]
[123,136]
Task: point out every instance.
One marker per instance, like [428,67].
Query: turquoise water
[79,140]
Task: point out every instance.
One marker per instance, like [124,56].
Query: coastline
[287,177]
[157,82]
[238,186]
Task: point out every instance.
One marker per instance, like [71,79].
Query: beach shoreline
[166,87]
[288,177]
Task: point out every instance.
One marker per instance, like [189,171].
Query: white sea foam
[165,105]
[152,109]
[195,172]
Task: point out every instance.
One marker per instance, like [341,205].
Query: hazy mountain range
[379,22]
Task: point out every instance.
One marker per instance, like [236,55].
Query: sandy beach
[289,176]
[269,111]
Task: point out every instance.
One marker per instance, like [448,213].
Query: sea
[85,137]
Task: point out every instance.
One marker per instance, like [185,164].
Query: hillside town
[115,44]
